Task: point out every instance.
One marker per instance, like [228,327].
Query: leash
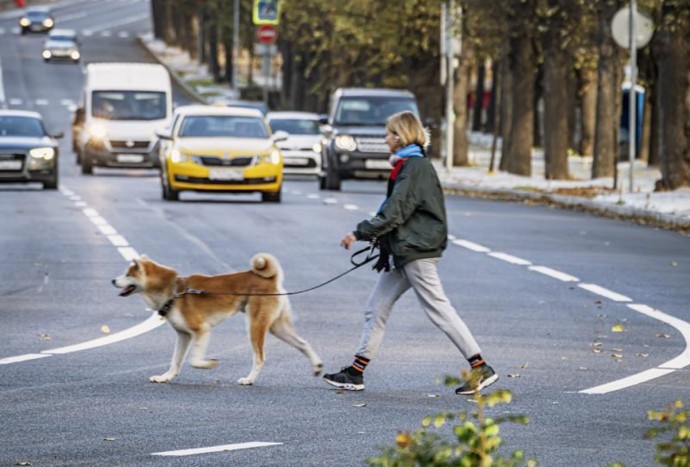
[371,256]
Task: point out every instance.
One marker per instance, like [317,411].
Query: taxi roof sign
[266,12]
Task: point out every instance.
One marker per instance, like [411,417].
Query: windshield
[371,110]
[63,38]
[296,127]
[37,14]
[128,105]
[21,126]
[222,126]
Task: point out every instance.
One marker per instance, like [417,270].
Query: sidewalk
[670,210]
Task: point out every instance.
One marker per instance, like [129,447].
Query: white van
[123,105]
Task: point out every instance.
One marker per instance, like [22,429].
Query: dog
[193,305]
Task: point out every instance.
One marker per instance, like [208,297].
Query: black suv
[354,133]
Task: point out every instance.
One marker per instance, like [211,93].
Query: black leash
[371,256]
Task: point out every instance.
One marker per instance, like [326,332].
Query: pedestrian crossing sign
[266,12]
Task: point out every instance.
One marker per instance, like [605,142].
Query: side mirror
[280,135]
[323,120]
[58,135]
[164,134]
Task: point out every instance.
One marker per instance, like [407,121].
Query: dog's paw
[160,379]
[318,369]
[206,364]
[245,381]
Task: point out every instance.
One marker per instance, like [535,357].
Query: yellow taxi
[220,149]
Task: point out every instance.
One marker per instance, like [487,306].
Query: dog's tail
[266,266]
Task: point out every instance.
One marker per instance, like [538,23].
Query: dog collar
[185,290]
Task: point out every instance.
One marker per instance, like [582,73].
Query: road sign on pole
[266,12]
[266,34]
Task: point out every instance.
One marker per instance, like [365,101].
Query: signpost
[266,15]
[266,12]
[266,34]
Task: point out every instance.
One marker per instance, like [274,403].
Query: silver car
[62,44]
[302,149]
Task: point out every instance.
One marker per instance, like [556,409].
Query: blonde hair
[409,129]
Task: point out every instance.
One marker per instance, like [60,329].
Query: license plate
[296,160]
[379,164]
[10,165]
[130,158]
[225,174]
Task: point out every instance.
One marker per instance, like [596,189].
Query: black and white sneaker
[478,379]
[348,378]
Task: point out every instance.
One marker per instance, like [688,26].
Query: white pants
[422,276]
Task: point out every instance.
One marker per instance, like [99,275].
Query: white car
[62,44]
[302,149]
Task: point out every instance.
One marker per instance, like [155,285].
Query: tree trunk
[556,98]
[212,38]
[674,99]
[460,91]
[538,96]
[506,83]
[158,18]
[478,110]
[608,105]
[522,122]
[588,118]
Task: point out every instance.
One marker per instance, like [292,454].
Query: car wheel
[86,163]
[332,181]
[271,197]
[23,31]
[168,193]
[51,184]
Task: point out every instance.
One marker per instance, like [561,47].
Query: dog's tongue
[127,290]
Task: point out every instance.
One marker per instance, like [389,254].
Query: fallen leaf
[340,391]
[360,404]
[105,329]
[618,328]
[432,395]
[643,355]
[674,264]
[663,335]
[596,350]
[23,463]
[616,355]
[524,366]
[617,350]
[109,439]
[513,375]
[45,337]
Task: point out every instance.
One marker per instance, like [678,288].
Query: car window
[222,126]
[128,105]
[62,38]
[37,14]
[21,126]
[372,110]
[296,127]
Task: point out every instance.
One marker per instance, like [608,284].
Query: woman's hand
[348,240]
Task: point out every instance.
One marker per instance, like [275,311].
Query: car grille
[311,163]
[206,181]
[372,145]
[11,162]
[211,161]
[117,144]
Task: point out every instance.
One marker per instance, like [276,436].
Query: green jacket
[414,215]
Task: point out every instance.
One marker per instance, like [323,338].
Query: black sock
[476,361]
[360,364]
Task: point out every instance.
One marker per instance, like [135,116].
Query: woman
[411,227]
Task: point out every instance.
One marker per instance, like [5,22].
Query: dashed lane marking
[223,448]
[596,289]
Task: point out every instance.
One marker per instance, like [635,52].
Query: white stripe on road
[561,276]
[128,253]
[595,289]
[118,240]
[225,447]
[510,258]
[471,246]
[22,358]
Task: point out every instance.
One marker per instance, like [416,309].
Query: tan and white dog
[193,315]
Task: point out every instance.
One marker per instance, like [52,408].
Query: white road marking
[313,196]
[561,276]
[15,101]
[107,230]
[22,358]
[596,289]
[351,207]
[330,201]
[471,246]
[128,253]
[118,240]
[509,258]
[151,323]
[42,102]
[223,448]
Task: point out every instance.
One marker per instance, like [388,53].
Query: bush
[476,439]
[674,424]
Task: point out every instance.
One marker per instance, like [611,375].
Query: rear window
[371,110]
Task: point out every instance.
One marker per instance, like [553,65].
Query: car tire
[332,180]
[23,32]
[51,184]
[167,193]
[272,197]
[87,163]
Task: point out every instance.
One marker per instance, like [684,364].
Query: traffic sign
[266,12]
[266,34]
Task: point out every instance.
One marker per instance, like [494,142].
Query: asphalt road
[549,336]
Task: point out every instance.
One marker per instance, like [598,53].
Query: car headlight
[316,147]
[42,153]
[345,142]
[178,156]
[98,131]
[46,54]
[74,55]
[48,23]
[24,22]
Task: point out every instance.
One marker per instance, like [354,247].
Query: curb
[631,214]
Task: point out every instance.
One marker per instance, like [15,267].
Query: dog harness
[165,309]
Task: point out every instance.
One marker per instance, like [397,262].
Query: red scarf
[396,170]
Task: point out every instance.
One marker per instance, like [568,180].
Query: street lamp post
[235,43]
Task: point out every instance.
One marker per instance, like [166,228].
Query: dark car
[36,19]
[27,152]
[354,133]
